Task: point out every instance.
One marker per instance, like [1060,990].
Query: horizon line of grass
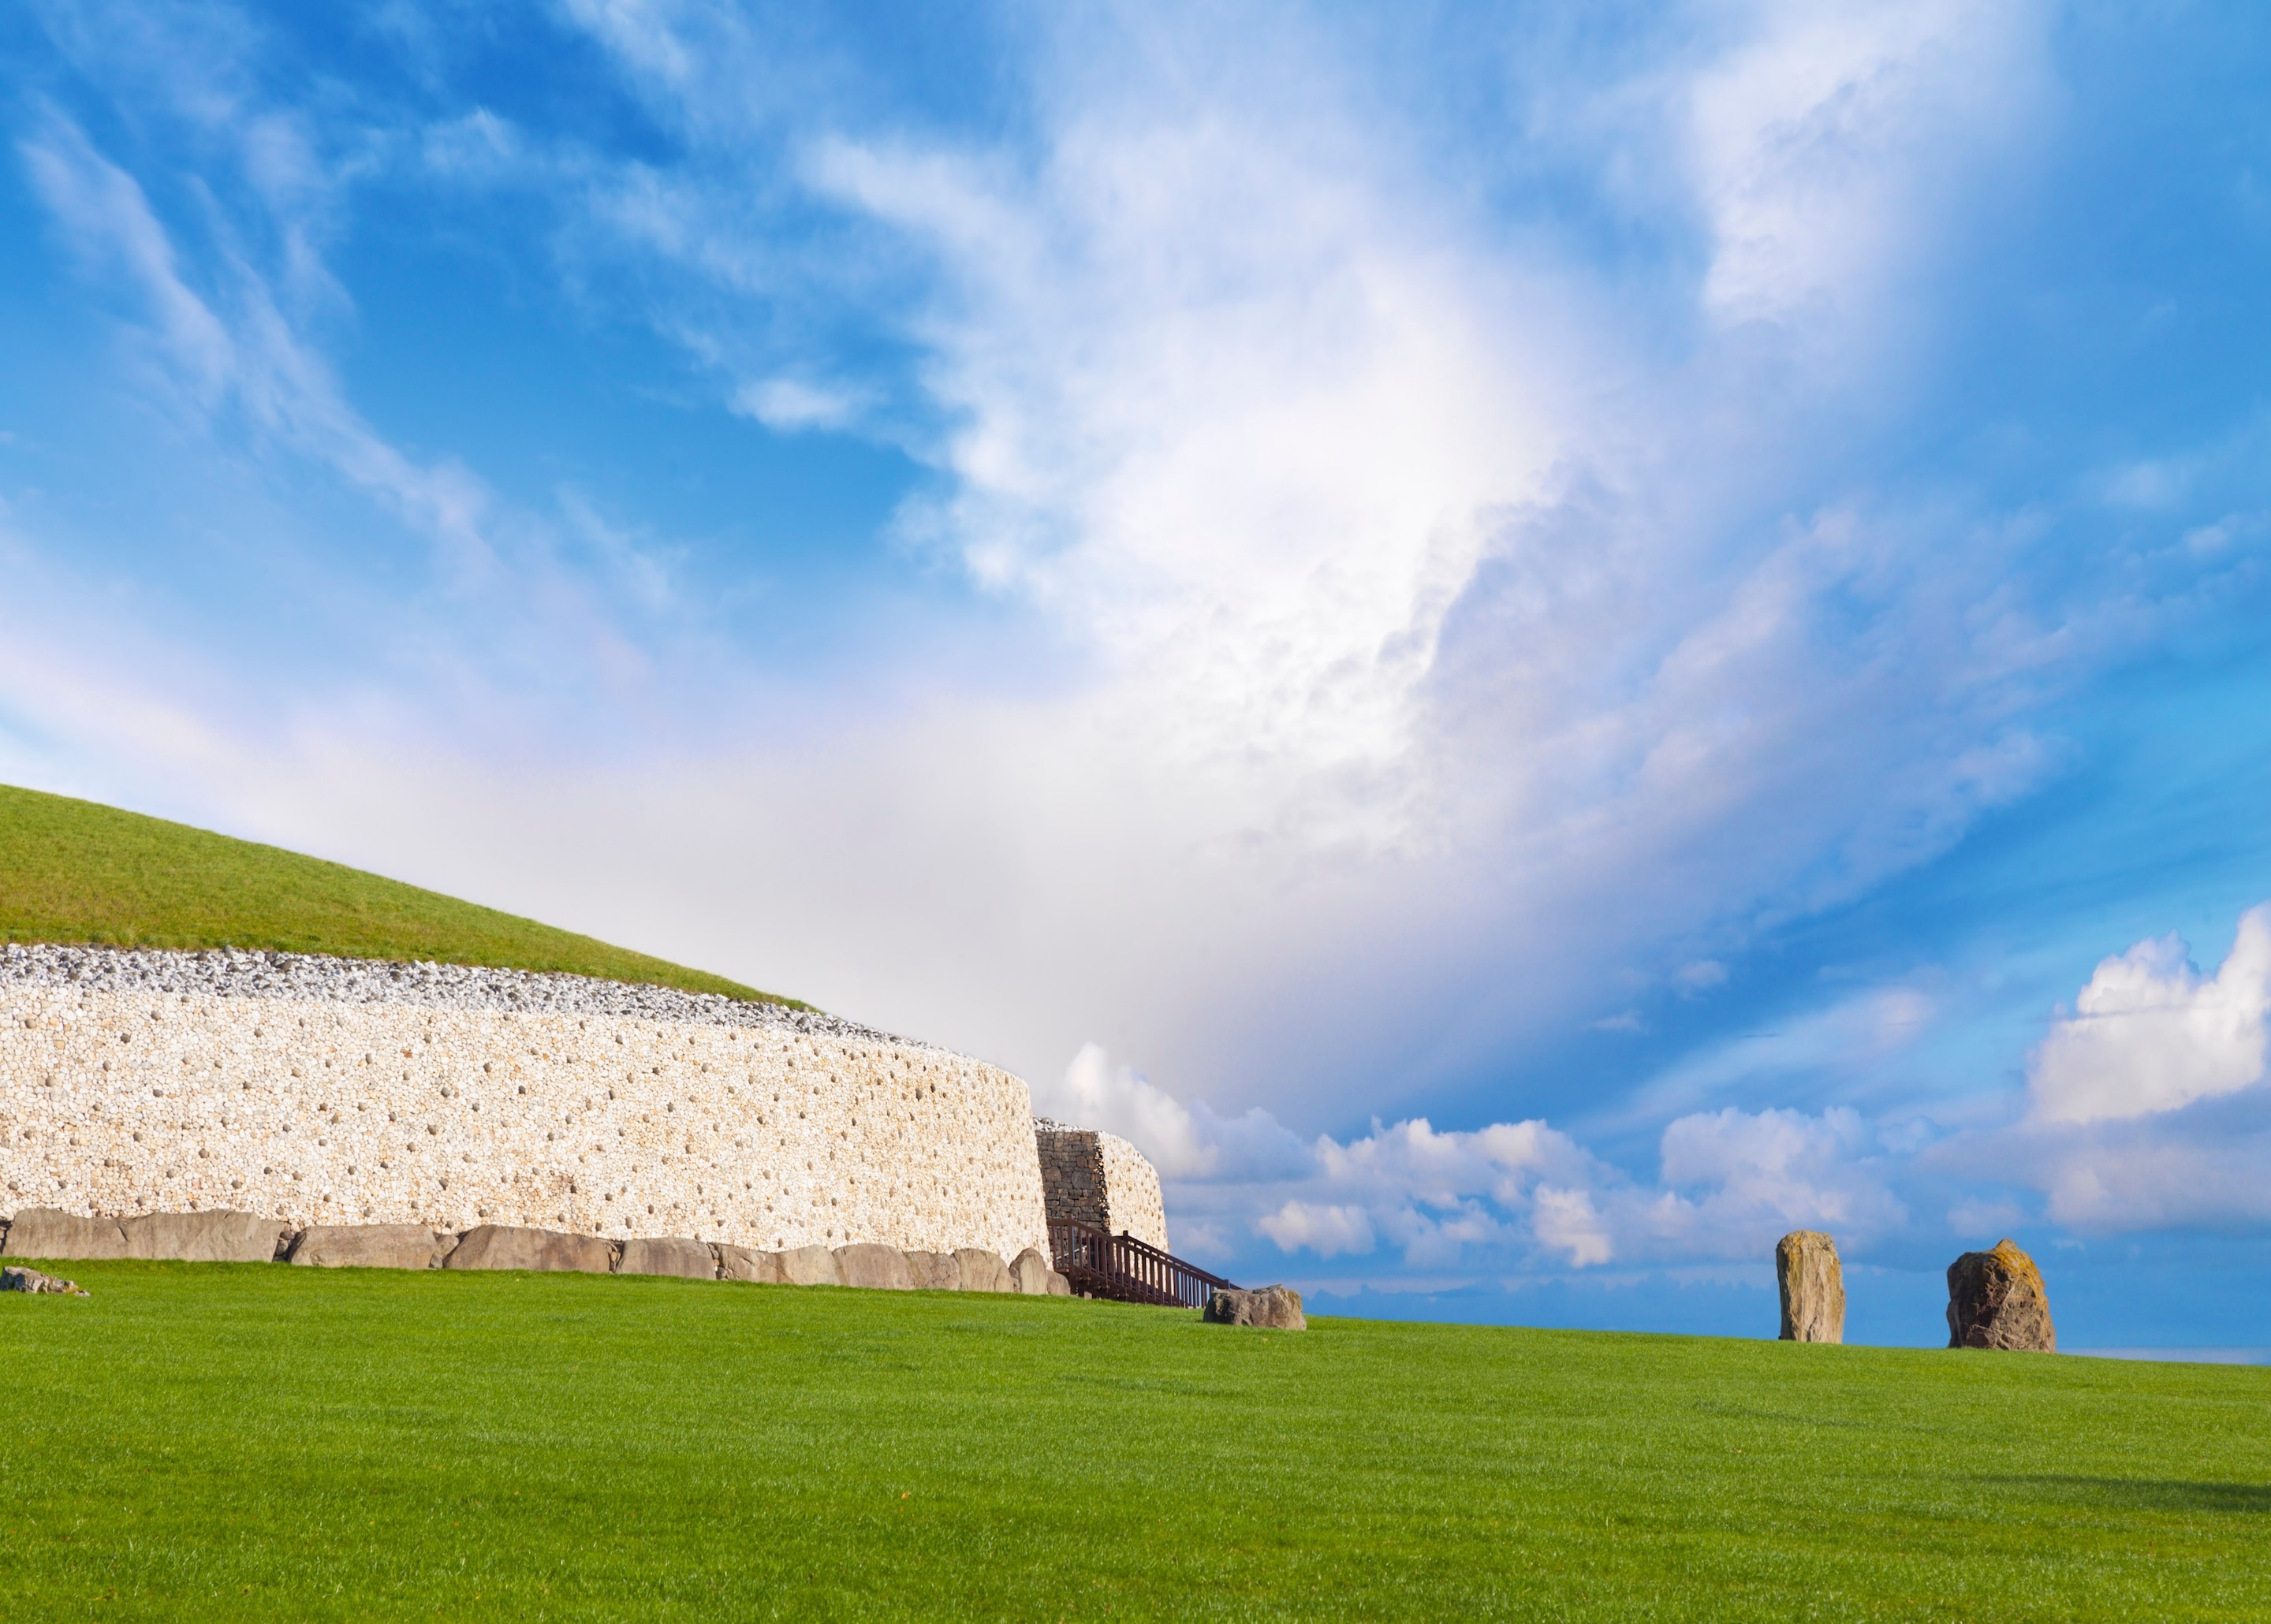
[79,873]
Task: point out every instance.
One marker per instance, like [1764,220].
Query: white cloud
[1738,1179]
[792,404]
[1825,142]
[2150,1033]
[1328,1231]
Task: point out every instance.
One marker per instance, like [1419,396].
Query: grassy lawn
[76,872]
[259,1441]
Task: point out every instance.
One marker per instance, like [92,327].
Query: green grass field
[78,873]
[259,1441]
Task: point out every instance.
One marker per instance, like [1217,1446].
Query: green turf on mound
[261,1442]
[75,871]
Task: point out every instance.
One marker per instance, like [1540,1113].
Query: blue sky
[1534,644]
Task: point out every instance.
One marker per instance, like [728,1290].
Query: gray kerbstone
[1031,1273]
[20,1278]
[810,1265]
[1813,1287]
[1276,1307]
[504,1246]
[982,1271]
[689,1260]
[877,1267]
[934,1272]
[206,1237]
[43,1232]
[370,1246]
[738,1263]
[1057,1285]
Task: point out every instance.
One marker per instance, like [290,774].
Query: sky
[1534,644]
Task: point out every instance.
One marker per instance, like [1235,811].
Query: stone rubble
[33,1281]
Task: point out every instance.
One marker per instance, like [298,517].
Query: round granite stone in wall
[334,1091]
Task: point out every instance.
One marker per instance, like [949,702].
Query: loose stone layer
[333,1091]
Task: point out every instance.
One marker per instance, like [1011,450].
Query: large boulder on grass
[1813,1287]
[1275,1308]
[505,1246]
[877,1267]
[688,1260]
[983,1271]
[370,1246]
[1997,1300]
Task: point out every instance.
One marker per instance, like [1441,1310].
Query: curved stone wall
[453,1099]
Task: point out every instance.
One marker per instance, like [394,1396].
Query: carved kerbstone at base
[877,1268]
[738,1263]
[1813,1287]
[504,1246]
[688,1260]
[172,1237]
[983,1271]
[1997,1300]
[1276,1307]
[370,1246]
[1029,1273]
[810,1265]
[934,1272]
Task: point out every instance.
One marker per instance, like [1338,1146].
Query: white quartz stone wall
[1131,1186]
[318,1111]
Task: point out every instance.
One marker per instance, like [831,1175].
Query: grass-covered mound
[260,1441]
[74,871]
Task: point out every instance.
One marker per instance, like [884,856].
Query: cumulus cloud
[2150,1033]
[1326,1231]
[1737,1179]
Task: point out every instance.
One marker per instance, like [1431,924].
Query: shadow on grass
[2147,1493]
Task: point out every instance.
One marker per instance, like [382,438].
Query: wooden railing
[1126,1270]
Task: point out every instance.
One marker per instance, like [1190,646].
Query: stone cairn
[1997,1299]
[1813,1287]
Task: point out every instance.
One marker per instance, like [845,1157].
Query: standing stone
[688,1260]
[1997,1299]
[1276,1307]
[1813,1287]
